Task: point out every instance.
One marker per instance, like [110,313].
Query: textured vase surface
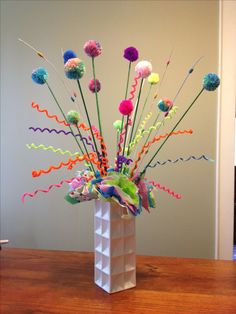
[114,248]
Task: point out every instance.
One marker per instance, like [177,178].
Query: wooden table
[38,281]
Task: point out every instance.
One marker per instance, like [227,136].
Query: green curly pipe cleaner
[55,150]
[141,132]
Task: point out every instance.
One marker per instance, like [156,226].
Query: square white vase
[114,248]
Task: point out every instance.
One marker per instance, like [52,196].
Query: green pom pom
[72,117]
[117,125]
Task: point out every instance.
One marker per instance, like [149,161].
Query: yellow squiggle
[55,150]
[142,125]
[141,132]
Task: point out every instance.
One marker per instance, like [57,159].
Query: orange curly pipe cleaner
[102,144]
[70,163]
[37,107]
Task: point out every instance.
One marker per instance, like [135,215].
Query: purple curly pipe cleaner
[65,133]
[122,160]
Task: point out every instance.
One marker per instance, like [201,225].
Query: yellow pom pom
[153,78]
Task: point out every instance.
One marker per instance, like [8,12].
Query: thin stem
[127,84]
[96,95]
[144,105]
[190,106]
[126,93]
[81,150]
[126,127]
[87,115]
[135,114]
[85,147]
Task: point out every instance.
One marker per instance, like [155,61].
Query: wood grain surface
[40,281]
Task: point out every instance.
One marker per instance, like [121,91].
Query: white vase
[114,248]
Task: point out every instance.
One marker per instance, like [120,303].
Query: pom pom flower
[92,48]
[126,107]
[40,76]
[69,54]
[153,78]
[117,125]
[131,54]
[211,81]
[92,86]
[74,68]
[72,117]
[143,68]
[165,104]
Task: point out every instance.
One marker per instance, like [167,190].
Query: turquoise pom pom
[39,76]
[211,81]
[74,68]
[165,104]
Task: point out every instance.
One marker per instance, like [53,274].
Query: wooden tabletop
[40,281]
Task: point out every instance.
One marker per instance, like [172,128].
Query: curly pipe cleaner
[122,160]
[55,150]
[70,163]
[83,139]
[141,133]
[57,185]
[37,107]
[162,163]
[104,159]
[165,189]
[155,139]
[132,93]
[88,142]
[122,138]
[134,87]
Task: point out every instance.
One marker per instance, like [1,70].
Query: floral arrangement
[123,181]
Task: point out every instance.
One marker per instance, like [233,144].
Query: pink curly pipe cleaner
[134,87]
[165,189]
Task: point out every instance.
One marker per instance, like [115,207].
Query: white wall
[177,227]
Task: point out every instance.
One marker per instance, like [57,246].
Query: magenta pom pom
[92,86]
[143,68]
[92,48]
[126,107]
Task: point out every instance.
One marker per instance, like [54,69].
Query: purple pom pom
[92,86]
[131,54]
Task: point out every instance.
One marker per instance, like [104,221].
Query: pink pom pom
[92,48]
[126,107]
[143,68]
[92,86]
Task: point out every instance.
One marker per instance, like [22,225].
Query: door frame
[224,221]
